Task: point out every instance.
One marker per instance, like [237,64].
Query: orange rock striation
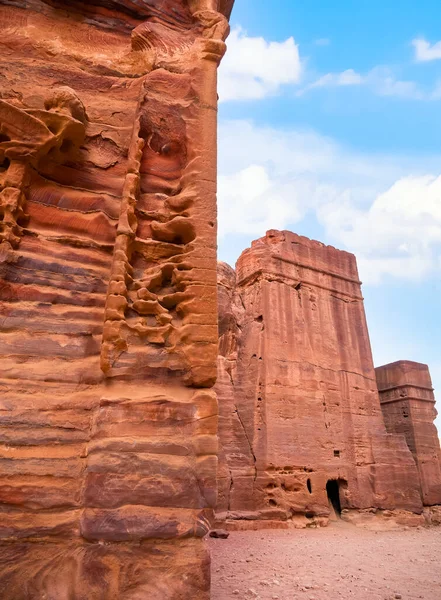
[300,423]
[108,423]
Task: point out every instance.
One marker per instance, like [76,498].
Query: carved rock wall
[298,401]
[108,423]
[408,406]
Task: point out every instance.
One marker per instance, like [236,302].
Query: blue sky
[330,126]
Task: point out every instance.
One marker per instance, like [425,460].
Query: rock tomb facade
[408,407]
[303,434]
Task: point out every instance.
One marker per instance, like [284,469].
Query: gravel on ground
[339,562]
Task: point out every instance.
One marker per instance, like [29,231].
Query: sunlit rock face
[301,429]
[108,420]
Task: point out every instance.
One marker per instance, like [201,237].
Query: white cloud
[254,68]
[387,210]
[399,234]
[410,209]
[348,77]
[251,202]
[384,83]
[322,42]
[379,80]
[425,52]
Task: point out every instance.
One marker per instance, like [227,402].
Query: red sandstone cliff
[298,401]
[108,425]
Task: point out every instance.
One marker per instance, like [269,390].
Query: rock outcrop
[301,429]
[108,423]
[408,406]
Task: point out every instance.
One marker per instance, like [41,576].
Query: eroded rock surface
[408,406]
[301,428]
[108,423]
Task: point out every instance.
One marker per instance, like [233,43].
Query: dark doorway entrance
[333,491]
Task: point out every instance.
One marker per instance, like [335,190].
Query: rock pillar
[108,420]
[408,407]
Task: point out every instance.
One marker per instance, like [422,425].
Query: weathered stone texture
[297,393]
[108,425]
[408,406]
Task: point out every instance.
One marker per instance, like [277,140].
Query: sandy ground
[340,562]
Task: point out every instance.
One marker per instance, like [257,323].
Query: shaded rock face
[300,423]
[408,406]
[108,423]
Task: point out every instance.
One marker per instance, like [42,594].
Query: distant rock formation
[300,423]
[408,406]
[108,420]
